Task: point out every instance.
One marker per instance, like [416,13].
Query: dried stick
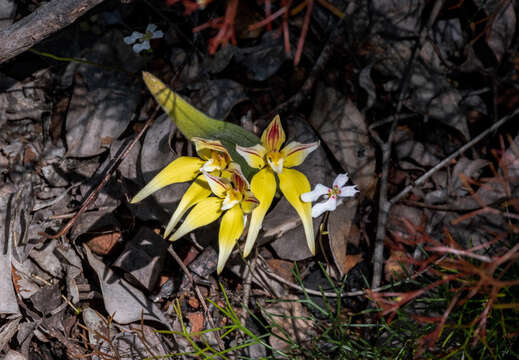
[44,21]
[455,154]
[186,271]
[384,204]
[93,195]
[297,287]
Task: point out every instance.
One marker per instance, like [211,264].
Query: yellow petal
[219,186]
[231,229]
[205,147]
[204,213]
[263,186]
[198,191]
[183,169]
[273,136]
[254,155]
[295,153]
[238,179]
[292,184]
[249,202]
[275,161]
[232,198]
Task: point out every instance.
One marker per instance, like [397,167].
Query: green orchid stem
[81,61]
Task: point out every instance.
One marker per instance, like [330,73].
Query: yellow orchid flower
[232,197]
[213,157]
[270,158]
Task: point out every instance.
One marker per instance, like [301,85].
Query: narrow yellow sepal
[183,169]
[231,229]
[204,213]
[292,184]
[254,155]
[196,192]
[263,186]
[295,153]
[274,135]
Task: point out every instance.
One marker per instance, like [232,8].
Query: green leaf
[194,123]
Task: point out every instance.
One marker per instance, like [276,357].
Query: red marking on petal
[299,148]
[273,134]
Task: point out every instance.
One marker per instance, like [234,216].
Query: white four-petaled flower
[142,41]
[330,204]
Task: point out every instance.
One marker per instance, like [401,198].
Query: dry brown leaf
[351,261]
[196,320]
[394,267]
[104,243]
[342,232]
[282,268]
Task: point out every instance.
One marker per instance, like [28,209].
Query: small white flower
[142,41]
[330,204]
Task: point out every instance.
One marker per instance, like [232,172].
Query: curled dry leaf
[102,244]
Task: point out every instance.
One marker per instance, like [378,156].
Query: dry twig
[44,21]
[93,195]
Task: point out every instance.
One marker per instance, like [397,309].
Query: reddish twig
[304,31]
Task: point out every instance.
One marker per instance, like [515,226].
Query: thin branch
[422,179]
[44,21]
[93,195]
[271,274]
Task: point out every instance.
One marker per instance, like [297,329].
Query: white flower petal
[340,180]
[315,194]
[348,191]
[133,37]
[157,35]
[151,28]
[141,46]
[209,166]
[328,205]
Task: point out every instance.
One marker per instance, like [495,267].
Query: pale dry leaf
[503,28]
[343,129]
[292,317]
[342,232]
[122,300]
